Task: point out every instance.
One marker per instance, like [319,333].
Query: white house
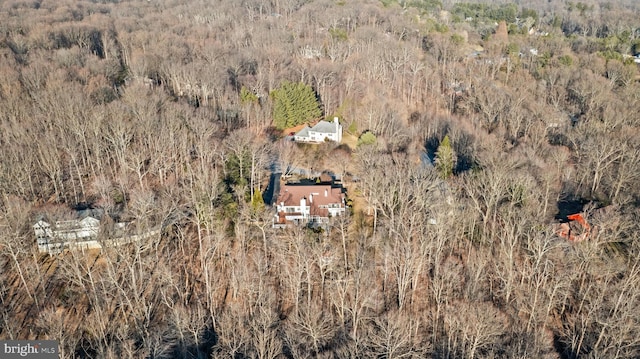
[83,234]
[322,131]
[67,234]
[315,203]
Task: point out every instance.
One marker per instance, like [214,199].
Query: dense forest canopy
[471,130]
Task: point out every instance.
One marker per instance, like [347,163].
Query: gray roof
[304,132]
[324,127]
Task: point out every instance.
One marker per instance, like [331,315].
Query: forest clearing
[321,178]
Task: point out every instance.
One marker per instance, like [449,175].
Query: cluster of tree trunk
[160,111]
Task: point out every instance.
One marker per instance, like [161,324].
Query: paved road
[271,194]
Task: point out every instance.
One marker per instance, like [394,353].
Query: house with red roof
[302,203]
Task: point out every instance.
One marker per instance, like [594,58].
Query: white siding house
[54,239]
[322,131]
[83,234]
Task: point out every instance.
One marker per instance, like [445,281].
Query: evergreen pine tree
[294,104]
[445,158]
[257,204]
